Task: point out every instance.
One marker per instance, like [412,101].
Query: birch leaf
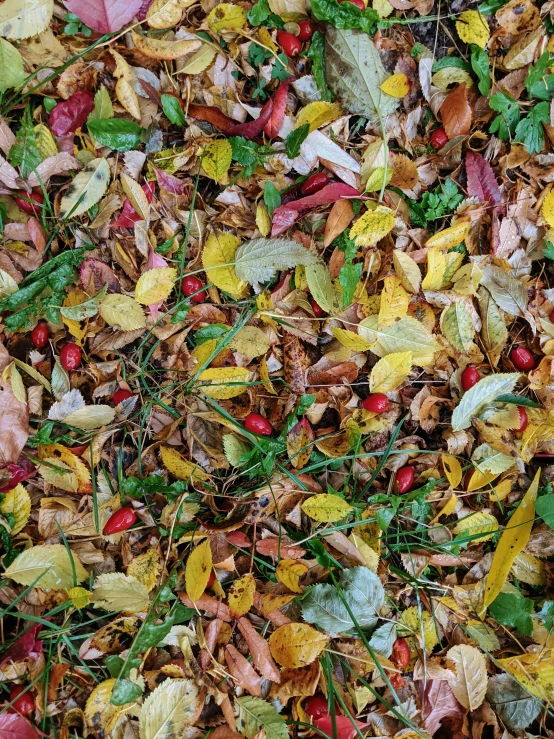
[169,710]
[470,684]
[86,189]
[485,391]
[260,259]
[49,564]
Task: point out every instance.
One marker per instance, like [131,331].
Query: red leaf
[169,182]
[285,215]
[211,114]
[481,182]
[105,16]
[279,106]
[26,646]
[438,703]
[128,216]
[14,726]
[143,10]
[253,128]
[152,93]
[69,115]
[456,112]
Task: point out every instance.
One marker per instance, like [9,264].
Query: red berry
[40,334]
[344,726]
[120,395]
[211,579]
[191,286]
[470,377]
[316,706]
[439,138]
[307,28]
[523,419]
[314,183]
[22,198]
[376,403]
[70,356]
[400,653]
[289,43]
[522,359]
[358,3]
[121,520]
[404,480]
[257,424]
[26,703]
[316,308]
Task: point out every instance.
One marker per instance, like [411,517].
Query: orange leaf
[456,112]
[340,217]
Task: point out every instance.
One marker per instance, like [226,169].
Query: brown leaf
[242,671]
[339,218]
[456,112]
[299,443]
[294,361]
[438,704]
[259,649]
[270,548]
[207,603]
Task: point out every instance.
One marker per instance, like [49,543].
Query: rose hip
[315,183]
[376,403]
[22,198]
[439,138]
[119,521]
[40,335]
[316,309]
[523,419]
[257,424]
[70,356]
[404,480]
[192,285]
[470,377]
[316,706]
[289,43]
[522,359]
[120,395]
[307,28]
[400,656]
[25,704]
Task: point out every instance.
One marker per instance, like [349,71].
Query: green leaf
[383,638]
[354,71]
[485,391]
[489,7]
[544,508]
[516,707]
[345,16]
[295,139]
[363,592]
[504,124]
[349,276]
[259,13]
[272,197]
[258,260]
[11,66]
[513,610]
[549,250]
[316,53]
[116,133]
[546,614]
[517,400]
[530,131]
[24,153]
[172,109]
[480,65]
[103,107]
[483,634]
[321,288]
[538,83]
[125,691]
[450,61]
[254,714]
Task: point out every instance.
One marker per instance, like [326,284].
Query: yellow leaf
[450,237]
[75,296]
[181,467]
[289,572]
[529,569]
[418,627]
[404,172]
[57,453]
[326,508]
[265,38]
[101,715]
[198,570]
[155,285]
[263,221]
[373,226]
[163,49]
[123,311]
[224,382]
[318,114]
[80,597]
[218,259]
[407,271]
[512,542]
[436,277]
[226,15]
[199,61]
[397,86]
[86,189]
[501,491]
[296,645]
[350,340]
[322,288]
[250,341]
[394,302]
[114,591]
[217,157]
[479,479]
[449,508]
[53,566]
[375,179]
[547,210]
[126,94]
[241,595]
[264,377]
[146,568]
[136,195]
[16,503]
[534,671]
[46,143]
[390,372]
[452,469]
[478,526]
[166,13]
[371,558]
[11,377]
[473,28]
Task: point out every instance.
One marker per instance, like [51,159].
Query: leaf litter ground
[276,414]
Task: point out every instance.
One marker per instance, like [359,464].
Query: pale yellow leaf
[250,341]
[390,372]
[407,271]
[155,285]
[123,311]
[216,159]
[114,591]
[218,260]
[16,503]
[470,683]
[146,568]
[326,508]
[164,49]
[373,226]
[394,301]
[350,340]
[169,710]
[181,467]
[450,237]
[21,19]
[49,564]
